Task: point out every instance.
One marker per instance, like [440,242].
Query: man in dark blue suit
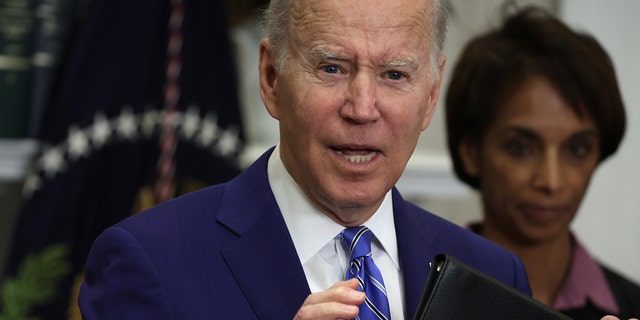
[353,84]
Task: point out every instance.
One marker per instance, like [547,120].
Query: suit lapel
[263,259]
[415,247]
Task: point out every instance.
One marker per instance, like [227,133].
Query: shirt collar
[300,216]
[576,292]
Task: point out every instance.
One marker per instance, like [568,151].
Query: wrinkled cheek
[411,137]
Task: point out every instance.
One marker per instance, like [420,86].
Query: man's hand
[614,318]
[341,301]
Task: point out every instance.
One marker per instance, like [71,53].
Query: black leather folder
[455,290]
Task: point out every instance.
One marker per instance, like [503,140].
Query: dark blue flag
[52,28]
[122,100]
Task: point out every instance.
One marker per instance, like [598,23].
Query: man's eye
[331,69]
[395,75]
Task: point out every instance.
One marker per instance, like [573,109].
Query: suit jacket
[224,252]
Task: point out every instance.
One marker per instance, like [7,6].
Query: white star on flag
[100,131]
[52,161]
[78,143]
[190,123]
[229,141]
[150,121]
[31,184]
[126,124]
[209,130]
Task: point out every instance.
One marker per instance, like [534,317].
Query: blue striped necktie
[362,267]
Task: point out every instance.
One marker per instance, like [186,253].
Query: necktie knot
[358,241]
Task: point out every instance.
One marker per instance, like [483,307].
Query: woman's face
[534,163]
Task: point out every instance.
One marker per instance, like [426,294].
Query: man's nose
[361,105]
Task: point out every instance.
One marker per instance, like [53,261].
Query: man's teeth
[357,158]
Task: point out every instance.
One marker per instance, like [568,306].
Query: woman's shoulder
[616,278]
[625,290]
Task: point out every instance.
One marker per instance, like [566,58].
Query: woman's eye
[580,150]
[331,69]
[518,148]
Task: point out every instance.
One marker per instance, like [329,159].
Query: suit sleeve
[120,281]
[521,281]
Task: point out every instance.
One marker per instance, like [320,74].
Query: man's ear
[468,150]
[268,78]
[434,94]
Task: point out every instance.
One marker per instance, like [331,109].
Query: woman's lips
[543,213]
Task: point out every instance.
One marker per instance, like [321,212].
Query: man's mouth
[356,155]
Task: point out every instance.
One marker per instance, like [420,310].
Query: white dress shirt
[317,238]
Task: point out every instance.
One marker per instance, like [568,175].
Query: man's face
[353,96]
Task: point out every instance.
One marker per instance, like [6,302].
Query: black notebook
[455,290]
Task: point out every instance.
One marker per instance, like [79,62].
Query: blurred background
[107,107]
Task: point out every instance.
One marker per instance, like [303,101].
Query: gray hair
[276,19]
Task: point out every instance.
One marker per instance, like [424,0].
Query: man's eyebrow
[400,62]
[405,62]
[323,53]
[326,54]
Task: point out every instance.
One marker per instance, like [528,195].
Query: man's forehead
[340,25]
[361,13]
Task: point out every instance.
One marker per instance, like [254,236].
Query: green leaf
[35,284]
